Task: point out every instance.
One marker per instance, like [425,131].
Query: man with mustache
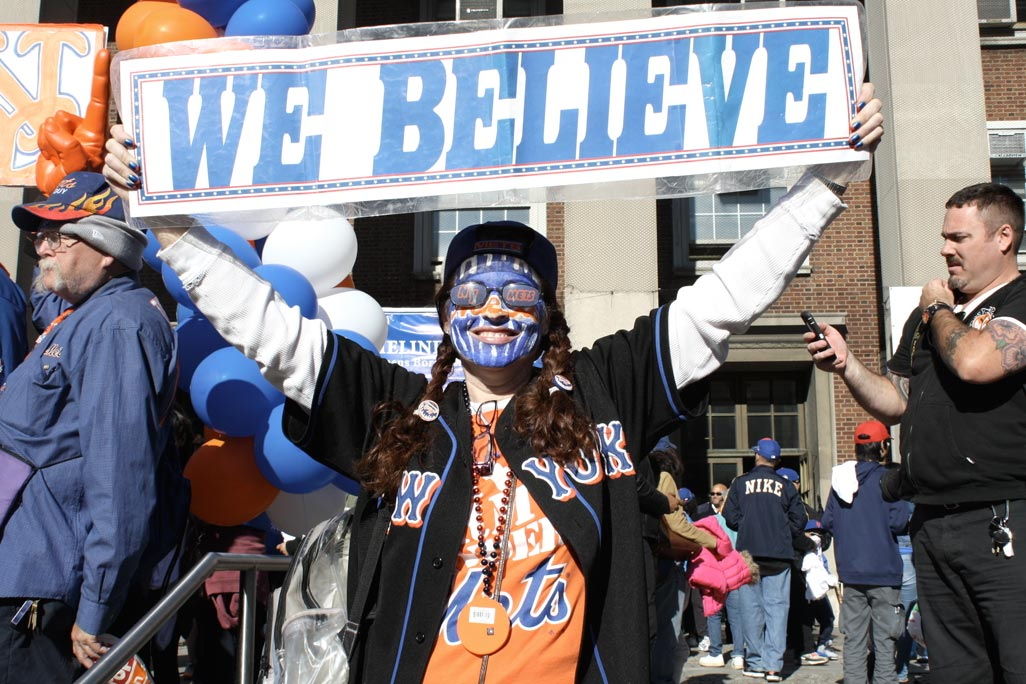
[83,439]
[956,385]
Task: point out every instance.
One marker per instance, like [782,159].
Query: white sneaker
[737,663]
[703,645]
[711,661]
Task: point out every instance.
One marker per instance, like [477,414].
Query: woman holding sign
[514,545]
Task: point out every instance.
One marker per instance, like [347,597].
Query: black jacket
[624,382]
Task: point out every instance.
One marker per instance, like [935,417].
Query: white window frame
[427,264]
[683,261]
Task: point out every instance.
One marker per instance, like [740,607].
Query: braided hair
[552,422]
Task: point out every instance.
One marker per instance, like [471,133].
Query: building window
[435,230]
[705,227]
[1014,177]
[745,408]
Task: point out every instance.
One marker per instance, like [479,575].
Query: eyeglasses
[472,295]
[54,239]
[716,493]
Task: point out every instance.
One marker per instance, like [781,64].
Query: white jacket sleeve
[747,280]
[249,314]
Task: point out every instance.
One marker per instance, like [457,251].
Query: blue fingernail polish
[854,139]
[858,146]
[133,179]
[859,106]
[134,166]
[129,142]
[856,125]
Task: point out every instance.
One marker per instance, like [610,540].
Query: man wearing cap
[866,551]
[956,385]
[768,514]
[803,612]
[82,422]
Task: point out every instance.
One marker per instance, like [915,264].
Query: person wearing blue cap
[83,435]
[768,514]
[519,483]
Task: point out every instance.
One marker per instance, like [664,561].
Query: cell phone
[813,326]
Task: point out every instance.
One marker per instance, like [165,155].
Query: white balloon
[250,224]
[297,513]
[347,309]
[316,241]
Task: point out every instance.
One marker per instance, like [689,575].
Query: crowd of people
[527,491]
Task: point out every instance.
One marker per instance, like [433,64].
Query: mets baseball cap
[79,194]
[685,494]
[504,237]
[813,525]
[768,448]
[870,432]
[788,474]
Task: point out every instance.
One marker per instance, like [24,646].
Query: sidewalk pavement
[830,673]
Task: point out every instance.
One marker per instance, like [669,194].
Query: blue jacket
[88,408]
[12,325]
[865,531]
[766,511]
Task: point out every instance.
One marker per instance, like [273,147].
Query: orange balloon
[347,282]
[227,487]
[132,20]
[169,23]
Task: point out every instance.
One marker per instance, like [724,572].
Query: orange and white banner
[43,68]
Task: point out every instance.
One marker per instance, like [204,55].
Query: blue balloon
[173,284]
[293,287]
[285,465]
[217,12]
[309,11]
[150,252]
[244,251]
[346,484]
[197,340]
[184,313]
[359,339]
[267,18]
[230,395]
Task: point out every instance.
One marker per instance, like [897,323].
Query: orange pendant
[483,626]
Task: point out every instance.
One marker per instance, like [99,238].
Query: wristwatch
[932,309]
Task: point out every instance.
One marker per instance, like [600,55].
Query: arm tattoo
[1010,340]
[901,384]
[951,344]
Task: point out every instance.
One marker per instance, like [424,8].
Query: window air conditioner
[996,12]
[1007,144]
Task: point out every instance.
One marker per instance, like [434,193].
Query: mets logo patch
[983,317]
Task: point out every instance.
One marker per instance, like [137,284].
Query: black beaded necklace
[491,561]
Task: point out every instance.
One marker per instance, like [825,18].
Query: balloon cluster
[247,459]
[150,22]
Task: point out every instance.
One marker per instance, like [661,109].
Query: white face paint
[495,334]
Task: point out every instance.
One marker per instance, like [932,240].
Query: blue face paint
[494,334]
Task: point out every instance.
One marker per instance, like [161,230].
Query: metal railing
[107,666]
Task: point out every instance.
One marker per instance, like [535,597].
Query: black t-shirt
[962,442]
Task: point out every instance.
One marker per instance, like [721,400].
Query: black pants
[800,617]
[37,655]
[973,603]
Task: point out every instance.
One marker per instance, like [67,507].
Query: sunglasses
[472,295]
[716,493]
